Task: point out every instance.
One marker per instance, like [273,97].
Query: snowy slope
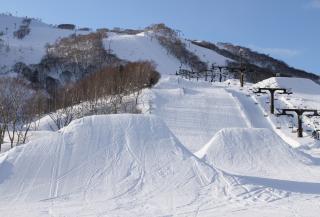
[195,111]
[206,55]
[306,94]
[298,85]
[144,47]
[132,165]
[141,165]
[30,49]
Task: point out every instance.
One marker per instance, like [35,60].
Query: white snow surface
[31,48]
[259,153]
[104,155]
[206,55]
[144,46]
[195,111]
[135,165]
[298,85]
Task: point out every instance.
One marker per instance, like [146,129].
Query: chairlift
[267,101]
[278,126]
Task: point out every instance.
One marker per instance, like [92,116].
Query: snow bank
[258,153]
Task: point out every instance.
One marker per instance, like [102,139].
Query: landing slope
[195,111]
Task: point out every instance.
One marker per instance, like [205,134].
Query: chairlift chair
[278,126]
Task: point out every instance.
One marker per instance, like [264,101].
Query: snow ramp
[258,153]
[119,158]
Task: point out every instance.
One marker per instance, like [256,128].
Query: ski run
[200,148]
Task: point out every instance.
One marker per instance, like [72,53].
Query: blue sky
[285,29]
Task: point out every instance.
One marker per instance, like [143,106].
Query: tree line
[111,90]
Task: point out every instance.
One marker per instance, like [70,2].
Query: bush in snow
[23,30]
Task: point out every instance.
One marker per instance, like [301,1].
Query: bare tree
[14,109]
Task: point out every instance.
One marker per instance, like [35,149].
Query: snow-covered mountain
[31,48]
[157,43]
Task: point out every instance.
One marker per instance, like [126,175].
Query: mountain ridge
[26,43]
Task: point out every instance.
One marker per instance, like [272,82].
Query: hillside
[98,124]
[262,66]
[34,55]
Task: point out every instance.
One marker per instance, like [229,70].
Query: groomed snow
[123,160]
[195,111]
[258,153]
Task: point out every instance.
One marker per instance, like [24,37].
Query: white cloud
[315,3]
[276,52]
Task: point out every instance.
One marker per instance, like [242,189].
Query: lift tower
[272,91]
[299,113]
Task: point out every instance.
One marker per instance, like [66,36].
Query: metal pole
[300,129]
[272,102]
[241,79]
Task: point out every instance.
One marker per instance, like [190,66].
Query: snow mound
[110,157]
[258,153]
[298,85]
